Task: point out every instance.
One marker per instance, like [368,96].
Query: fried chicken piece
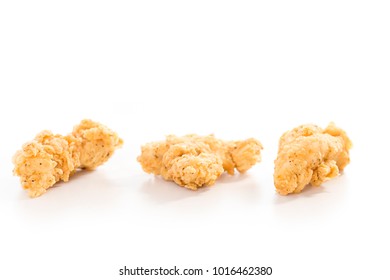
[50,158]
[46,160]
[194,161]
[191,165]
[98,143]
[310,155]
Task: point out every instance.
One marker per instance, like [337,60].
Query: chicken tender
[46,160]
[50,158]
[309,154]
[195,161]
[97,142]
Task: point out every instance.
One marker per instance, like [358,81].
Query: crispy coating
[310,155]
[98,143]
[50,158]
[194,161]
[45,160]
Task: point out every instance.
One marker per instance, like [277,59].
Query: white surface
[236,69]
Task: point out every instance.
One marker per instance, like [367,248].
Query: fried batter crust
[50,158]
[194,161]
[310,155]
[97,142]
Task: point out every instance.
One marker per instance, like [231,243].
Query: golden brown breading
[98,143]
[51,158]
[46,160]
[309,154]
[194,161]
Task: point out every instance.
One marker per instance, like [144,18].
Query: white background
[238,69]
